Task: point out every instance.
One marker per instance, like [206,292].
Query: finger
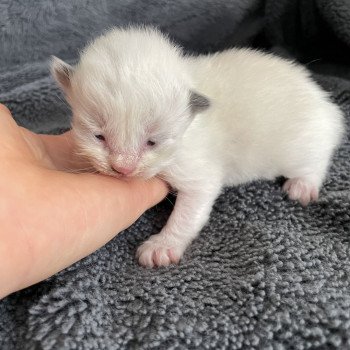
[47,149]
[109,205]
[141,195]
[4,110]
[126,199]
[12,141]
[8,124]
[62,152]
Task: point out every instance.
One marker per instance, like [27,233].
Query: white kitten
[142,108]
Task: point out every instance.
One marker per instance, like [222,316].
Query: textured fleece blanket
[265,273]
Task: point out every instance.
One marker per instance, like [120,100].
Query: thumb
[143,195]
[118,202]
[78,214]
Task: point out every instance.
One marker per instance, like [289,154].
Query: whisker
[171,190]
[62,100]
[313,61]
[173,204]
[81,171]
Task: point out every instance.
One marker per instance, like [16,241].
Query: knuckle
[4,109]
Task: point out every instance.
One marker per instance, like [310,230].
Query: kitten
[142,108]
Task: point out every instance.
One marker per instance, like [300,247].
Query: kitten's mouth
[108,171]
[114,173]
[119,175]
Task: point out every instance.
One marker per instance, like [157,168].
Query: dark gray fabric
[317,30]
[265,273]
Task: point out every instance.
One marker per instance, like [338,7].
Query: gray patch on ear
[198,103]
[62,72]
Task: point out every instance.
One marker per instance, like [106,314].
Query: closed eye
[100,137]
[151,143]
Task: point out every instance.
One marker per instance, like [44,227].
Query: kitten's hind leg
[303,189]
[303,184]
[305,172]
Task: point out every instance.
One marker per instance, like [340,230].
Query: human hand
[51,218]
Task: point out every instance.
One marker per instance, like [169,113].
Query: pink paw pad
[164,257]
[301,190]
[154,254]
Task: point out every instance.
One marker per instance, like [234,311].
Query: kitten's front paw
[160,250]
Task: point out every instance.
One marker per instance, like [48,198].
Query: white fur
[267,118]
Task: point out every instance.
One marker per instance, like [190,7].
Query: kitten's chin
[142,176]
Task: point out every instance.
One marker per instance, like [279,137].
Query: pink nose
[122,171]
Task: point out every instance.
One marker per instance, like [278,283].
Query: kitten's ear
[62,72]
[198,103]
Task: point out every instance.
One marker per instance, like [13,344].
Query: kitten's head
[132,100]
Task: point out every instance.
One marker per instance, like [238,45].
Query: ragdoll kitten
[142,108]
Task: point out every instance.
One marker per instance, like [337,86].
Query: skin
[51,218]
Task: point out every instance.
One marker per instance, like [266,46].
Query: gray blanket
[265,273]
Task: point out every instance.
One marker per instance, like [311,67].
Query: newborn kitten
[142,108]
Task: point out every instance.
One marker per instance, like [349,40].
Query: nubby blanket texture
[265,273]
